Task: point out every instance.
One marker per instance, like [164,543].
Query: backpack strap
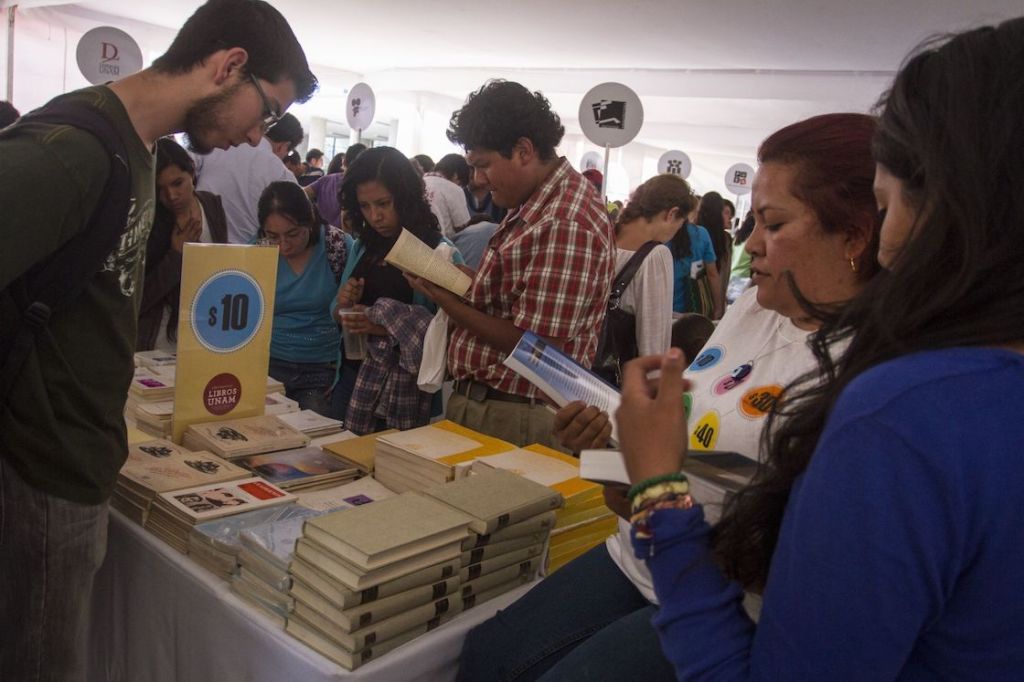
[60,279]
[627,273]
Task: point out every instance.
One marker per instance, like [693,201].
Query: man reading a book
[547,269]
[231,72]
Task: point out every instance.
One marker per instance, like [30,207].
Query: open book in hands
[561,378]
[411,255]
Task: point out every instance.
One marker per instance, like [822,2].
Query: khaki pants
[518,423]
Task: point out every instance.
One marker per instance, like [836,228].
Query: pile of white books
[512,518]
[154,417]
[216,545]
[234,438]
[430,456]
[267,549]
[159,466]
[152,384]
[155,358]
[279,403]
[312,423]
[307,468]
[584,522]
[367,580]
[174,514]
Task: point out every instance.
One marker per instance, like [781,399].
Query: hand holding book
[581,427]
[651,418]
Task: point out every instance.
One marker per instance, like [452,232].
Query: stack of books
[174,514]
[312,423]
[151,384]
[154,418]
[359,451]
[368,579]
[583,522]
[305,468]
[234,438]
[430,456]
[160,466]
[274,386]
[511,519]
[267,549]
[216,545]
[279,403]
[155,358]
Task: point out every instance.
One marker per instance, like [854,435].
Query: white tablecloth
[159,616]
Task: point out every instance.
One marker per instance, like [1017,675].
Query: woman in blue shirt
[886,522]
[305,338]
[693,257]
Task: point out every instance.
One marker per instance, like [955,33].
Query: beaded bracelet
[656,491]
[641,520]
[654,480]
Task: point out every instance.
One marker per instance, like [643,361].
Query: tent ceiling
[715,78]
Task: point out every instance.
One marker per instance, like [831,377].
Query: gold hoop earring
[853,265]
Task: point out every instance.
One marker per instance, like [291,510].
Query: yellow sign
[227,311]
[705,434]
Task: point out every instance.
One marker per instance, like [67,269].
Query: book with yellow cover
[359,451]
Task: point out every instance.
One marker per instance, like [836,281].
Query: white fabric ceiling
[714,78]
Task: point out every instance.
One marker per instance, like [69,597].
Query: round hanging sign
[107,54]
[611,115]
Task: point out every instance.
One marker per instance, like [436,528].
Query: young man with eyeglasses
[233,69]
[240,174]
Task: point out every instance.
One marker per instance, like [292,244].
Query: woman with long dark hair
[822,235]
[887,519]
[305,337]
[694,260]
[382,194]
[182,215]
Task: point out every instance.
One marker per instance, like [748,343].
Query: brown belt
[479,391]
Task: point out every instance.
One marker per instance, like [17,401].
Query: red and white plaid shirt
[548,269]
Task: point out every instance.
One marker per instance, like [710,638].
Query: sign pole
[604,175]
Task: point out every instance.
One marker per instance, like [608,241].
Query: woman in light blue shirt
[305,338]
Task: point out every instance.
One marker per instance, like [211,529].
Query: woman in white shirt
[817,233]
[641,322]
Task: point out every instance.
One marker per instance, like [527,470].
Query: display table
[158,616]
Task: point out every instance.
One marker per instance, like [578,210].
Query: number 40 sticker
[227,311]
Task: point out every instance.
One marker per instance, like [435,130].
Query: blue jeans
[50,550]
[306,382]
[585,622]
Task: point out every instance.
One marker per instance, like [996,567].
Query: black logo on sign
[609,113]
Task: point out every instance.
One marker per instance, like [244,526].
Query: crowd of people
[858,333]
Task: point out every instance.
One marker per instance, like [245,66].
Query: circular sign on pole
[675,162]
[360,106]
[611,115]
[590,161]
[227,311]
[739,178]
[107,54]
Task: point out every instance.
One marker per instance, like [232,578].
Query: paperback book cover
[560,377]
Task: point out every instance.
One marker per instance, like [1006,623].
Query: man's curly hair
[497,115]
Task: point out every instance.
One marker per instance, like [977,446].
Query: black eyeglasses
[270,117]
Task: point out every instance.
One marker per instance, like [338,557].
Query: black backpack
[56,281]
[618,333]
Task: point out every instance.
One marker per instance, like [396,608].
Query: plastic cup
[355,344]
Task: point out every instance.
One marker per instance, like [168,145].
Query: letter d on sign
[110,52]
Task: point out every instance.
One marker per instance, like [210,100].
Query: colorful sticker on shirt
[733,379]
[705,434]
[759,401]
[707,359]
[688,404]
